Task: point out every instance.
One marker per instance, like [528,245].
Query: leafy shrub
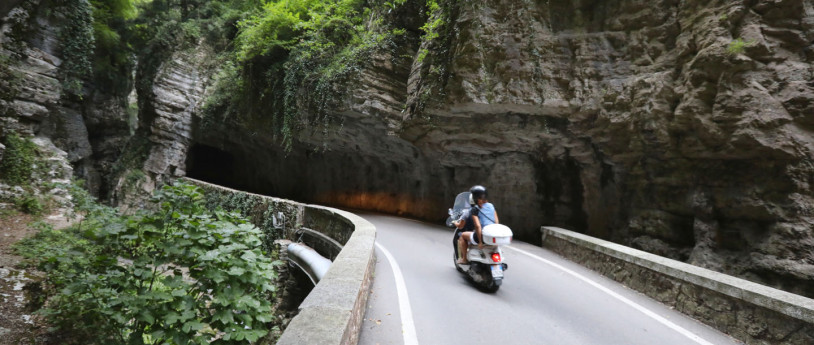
[18,159]
[181,275]
[29,204]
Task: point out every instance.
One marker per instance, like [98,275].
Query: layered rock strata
[678,127]
[168,104]
[92,132]
[687,123]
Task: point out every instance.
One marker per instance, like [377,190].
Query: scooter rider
[463,224]
[482,213]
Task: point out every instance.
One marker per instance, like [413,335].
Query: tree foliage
[180,275]
[113,54]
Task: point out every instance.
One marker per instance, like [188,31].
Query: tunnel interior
[561,193]
[207,163]
[398,186]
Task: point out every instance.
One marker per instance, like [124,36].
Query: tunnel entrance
[210,164]
[561,193]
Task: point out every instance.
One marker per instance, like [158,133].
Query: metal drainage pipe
[309,261]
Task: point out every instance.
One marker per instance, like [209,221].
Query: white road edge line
[638,307]
[407,324]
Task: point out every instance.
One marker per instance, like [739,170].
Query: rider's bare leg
[463,242]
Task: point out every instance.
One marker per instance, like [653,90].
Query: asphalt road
[420,298]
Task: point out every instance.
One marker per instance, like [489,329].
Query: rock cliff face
[683,128]
[678,127]
[32,101]
[167,106]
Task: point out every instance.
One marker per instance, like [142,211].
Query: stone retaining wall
[750,312]
[333,311]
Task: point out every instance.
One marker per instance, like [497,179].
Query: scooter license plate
[497,271]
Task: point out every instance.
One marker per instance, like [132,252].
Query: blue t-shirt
[486,215]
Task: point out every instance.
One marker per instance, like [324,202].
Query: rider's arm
[497,220]
[460,223]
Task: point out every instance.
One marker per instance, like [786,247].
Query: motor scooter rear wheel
[491,286]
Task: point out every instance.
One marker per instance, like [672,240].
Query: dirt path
[18,326]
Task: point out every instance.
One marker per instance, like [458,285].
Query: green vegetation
[30,204]
[9,80]
[21,166]
[17,165]
[738,46]
[435,52]
[281,65]
[112,57]
[179,275]
[435,22]
[290,51]
[77,44]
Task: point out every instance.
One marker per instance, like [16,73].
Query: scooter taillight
[496,257]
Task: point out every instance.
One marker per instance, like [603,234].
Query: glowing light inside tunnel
[388,202]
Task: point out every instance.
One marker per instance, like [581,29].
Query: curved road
[417,297]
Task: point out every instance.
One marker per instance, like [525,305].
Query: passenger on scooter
[463,224]
[482,213]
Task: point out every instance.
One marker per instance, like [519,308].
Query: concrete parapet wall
[332,313]
[750,312]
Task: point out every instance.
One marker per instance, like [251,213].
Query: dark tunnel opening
[213,165]
[334,180]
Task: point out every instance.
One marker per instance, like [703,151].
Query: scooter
[486,267]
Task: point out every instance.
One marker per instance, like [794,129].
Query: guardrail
[332,313]
[750,312]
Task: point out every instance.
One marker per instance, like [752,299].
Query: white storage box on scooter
[496,234]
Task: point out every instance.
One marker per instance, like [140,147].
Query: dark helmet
[477,192]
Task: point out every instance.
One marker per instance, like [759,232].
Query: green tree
[112,57]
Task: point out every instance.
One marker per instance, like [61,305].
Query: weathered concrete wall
[332,313]
[750,312]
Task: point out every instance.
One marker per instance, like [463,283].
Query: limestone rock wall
[168,102]
[683,128]
[32,102]
[687,123]
[678,127]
